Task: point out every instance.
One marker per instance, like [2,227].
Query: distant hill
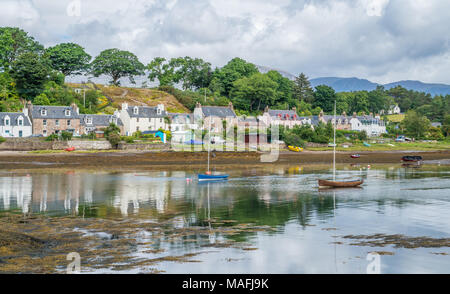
[265,69]
[355,84]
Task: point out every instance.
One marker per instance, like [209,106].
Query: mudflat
[17,159]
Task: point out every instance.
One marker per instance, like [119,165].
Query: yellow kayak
[295,148]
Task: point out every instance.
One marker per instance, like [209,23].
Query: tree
[324,97]
[284,88]
[162,70]
[376,99]
[30,71]
[13,43]
[302,90]
[254,93]
[446,125]
[415,124]
[41,99]
[117,64]
[9,98]
[68,58]
[194,73]
[234,70]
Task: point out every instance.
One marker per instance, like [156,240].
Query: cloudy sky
[381,40]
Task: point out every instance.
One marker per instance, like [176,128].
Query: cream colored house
[143,118]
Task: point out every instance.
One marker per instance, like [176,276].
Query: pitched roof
[146,112]
[182,118]
[291,114]
[53,112]
[220,111]
[14,118]
[99,120]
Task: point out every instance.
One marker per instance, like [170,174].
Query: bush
[114,139]
[129,140]
[66,136]
[292,139]
[52,137]
[2,140]
[362,135]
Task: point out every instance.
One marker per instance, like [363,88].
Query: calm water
[309,224]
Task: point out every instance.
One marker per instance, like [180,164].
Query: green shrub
[2,140]
[66,136]
[114,138]
[52,137]
[129,140]
[292,139]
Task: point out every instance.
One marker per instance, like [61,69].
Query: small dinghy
[209,177]
[355,156]
[70,149]
[337,184]
[412,158]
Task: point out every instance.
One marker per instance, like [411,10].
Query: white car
[217,140]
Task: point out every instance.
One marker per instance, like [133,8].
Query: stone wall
[90,145]
[141,146]
[30,144]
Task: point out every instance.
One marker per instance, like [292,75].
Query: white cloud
[380,40]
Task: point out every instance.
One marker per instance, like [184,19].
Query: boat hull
[412,158]
[204,177]
[325,183]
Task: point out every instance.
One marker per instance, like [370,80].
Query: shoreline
[121,159]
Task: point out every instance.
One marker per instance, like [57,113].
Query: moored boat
[340,184]
[206,177]
[355,156]
[412,158]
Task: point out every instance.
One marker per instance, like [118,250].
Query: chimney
[29,107]
[371,114]
[363,113]
[266,109]
[198,105]
[354,114]
[75,108]
[294,109]
[321,113]
[344,113]
[230,105]
[124,106]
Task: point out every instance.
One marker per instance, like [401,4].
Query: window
[67,112]
[44,122]
[57,122]
[89,120]
[137,128]
[137,119]
[158,111]
[20,134]
[7,132]
[6,121]
[135,110]
[44,112]
[20,121]
[44,132]
[68,122]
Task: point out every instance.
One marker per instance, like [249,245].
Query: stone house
[213,117]
[286,118]
[15,124]
[143,118]
[342,121]
[47,120]
[96,123]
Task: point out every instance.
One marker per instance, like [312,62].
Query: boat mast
[334,143]
[209,140]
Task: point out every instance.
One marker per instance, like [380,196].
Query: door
[20,134]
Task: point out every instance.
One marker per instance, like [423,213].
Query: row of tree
[30,71]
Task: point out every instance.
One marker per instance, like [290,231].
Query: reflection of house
[142,118]
[182,127]
[47,120]
[213,117]
[15,124]
[96,123]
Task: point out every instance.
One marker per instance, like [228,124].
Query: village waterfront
[265,219]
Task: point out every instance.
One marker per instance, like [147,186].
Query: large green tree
[302,90]
[30,71]
[117,64]
[254,93]
[416,125]
[324,97]
[163,70]
[194,73]
[234,70]
[68,58]
[13,43]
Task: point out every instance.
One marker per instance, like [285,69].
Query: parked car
[217,140]
[402,138]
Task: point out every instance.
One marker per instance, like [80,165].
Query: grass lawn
[395,117]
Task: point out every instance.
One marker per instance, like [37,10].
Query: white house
[182,126]
[373,126]
[143,118]
[15,124]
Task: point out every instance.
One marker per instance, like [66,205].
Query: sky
[380,40]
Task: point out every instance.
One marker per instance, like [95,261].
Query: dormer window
[44,112]
[67,112]
[7,121]
[135,110]
[158,111]
[89,120]
[20,121]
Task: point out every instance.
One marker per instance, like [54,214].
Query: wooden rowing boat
[337,184]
